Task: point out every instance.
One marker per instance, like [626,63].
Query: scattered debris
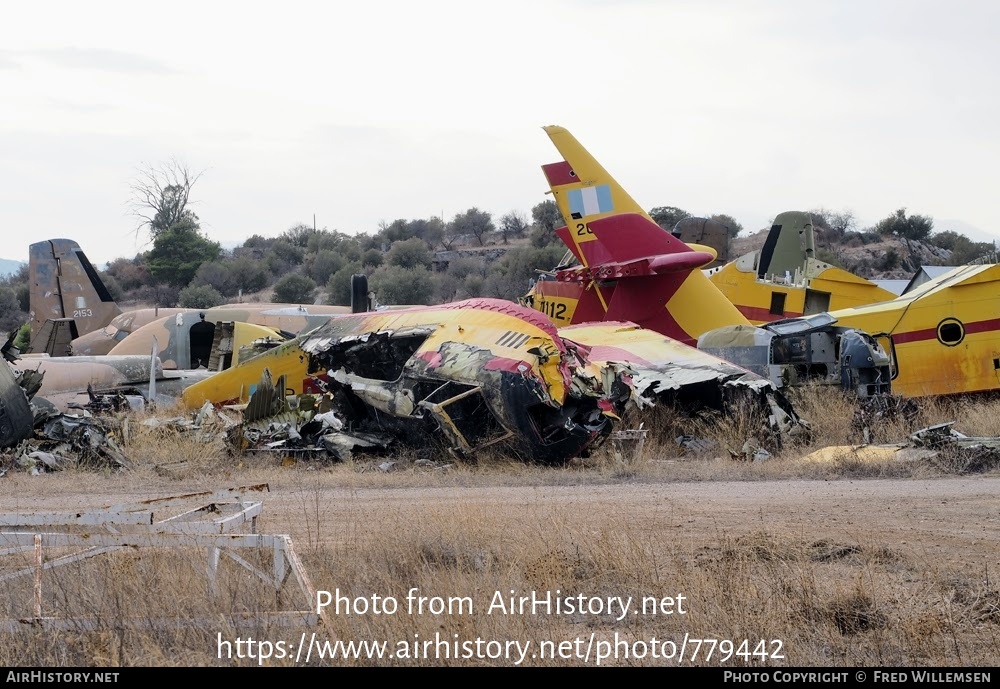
[750,452]
[940,444]
[298,426]
[119,400]
[874,416]
[957,452]
[943,435]
[696,446]
[44,439]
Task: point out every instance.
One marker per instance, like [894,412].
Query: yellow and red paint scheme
[944,336]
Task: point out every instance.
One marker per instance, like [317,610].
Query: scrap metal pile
[459,377]
[303,425]
[43,439]
[474,375]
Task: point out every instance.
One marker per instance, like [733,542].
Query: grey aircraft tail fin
[65,285]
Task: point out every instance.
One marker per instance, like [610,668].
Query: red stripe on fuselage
[982,326]
[931,333]
[915,336]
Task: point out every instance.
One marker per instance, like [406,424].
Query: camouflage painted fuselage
[173,333]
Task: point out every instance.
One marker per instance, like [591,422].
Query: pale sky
[365,111]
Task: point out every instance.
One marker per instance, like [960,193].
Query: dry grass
[187,456]
[166,451]
[829,603]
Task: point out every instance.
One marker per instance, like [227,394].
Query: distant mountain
[9,267]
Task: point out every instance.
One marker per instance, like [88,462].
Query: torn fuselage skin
[665,371]
[16,419]
[482,372]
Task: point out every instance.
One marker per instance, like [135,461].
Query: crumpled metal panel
[267,400]
[15,411]
[659,365]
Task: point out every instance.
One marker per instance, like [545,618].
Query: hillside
[867,254]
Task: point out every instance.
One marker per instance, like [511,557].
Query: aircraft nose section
[549,432]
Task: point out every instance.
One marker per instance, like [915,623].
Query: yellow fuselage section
[762,301]
[506,336]
[945,336]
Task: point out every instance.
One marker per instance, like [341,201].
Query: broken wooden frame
[219,522]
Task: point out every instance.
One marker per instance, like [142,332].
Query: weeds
[900,608]
[831,598]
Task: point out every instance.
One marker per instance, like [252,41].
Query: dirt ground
[957,520]
[954,520]
[893,572]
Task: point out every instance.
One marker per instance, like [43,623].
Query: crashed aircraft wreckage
[66,383]
[73,313]
[478,373]
[668,372]
[623,266]
[46,438]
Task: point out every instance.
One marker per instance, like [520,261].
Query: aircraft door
[201,335]
[885,342]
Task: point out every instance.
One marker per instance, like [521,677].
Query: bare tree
[513,224]
[834,223]
[161,196]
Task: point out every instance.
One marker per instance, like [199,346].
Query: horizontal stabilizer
[671,263]
[630,236]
